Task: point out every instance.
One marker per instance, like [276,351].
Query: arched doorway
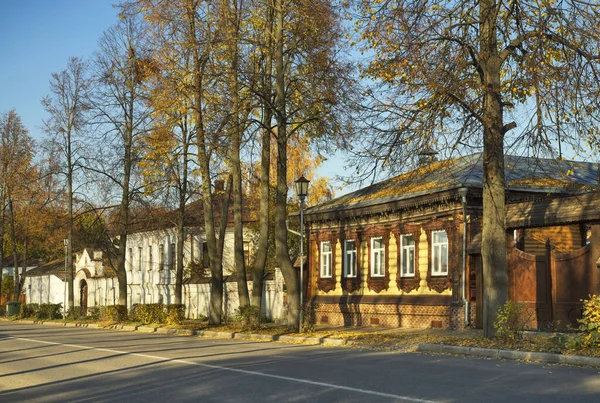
[83,296]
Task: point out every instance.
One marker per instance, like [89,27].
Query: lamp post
[302,191]
[66,241]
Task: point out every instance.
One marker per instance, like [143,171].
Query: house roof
[194,214]
[9,261]
[521,173]
[55,267]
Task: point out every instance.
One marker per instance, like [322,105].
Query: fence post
[551,272]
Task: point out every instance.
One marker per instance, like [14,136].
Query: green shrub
[94,313]
[49,311]
[511,321]
[76,313]
[29,310]
[175,314]
[248,316]
[148,313]
[41,311]
[113,313]
[589,324]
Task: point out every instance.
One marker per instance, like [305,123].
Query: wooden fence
[551,285]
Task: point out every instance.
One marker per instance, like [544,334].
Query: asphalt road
[51,364]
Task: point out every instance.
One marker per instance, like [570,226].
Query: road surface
[56,364]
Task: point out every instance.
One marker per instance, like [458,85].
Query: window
[439,253]
[161,257]
[349,258]
[172,257]
[407,255]
[139,267]
[377,257]
[326,256]
[150,260]
[130,259]
[205,258]
[247,253]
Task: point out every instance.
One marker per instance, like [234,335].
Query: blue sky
[37,38]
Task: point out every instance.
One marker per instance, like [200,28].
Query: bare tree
[67,106]
[122,116]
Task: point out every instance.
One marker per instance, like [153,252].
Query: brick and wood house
[405,252]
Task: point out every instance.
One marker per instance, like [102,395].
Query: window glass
[439,253]
[407,255]
[350,258]
[377,257]
[326,256]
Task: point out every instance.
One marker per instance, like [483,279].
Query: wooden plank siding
[584,208]
[564,238]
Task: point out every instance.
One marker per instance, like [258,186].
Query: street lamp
[66,241]
[302,192]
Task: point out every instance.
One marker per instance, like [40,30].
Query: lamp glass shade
[302,186]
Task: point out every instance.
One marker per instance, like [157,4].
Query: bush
[94,313]
[590,322]
[76,313]
[41,311]
[148,313]
[511,321]
[248,316]
[50,311]
[29,310]
[175,314]
[113,313]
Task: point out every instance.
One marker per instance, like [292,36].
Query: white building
[45,284]
[150,266]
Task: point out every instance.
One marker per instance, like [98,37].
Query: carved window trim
[351,284]
[378,283]
[444,282]
[326,284]
[325,269]
[408,283]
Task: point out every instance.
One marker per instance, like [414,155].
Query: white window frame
[404,252]
[140,255]
[350,268]
[436,255]
[150,258]
[326,260]
[377,255]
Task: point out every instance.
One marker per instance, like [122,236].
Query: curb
[266,337]
[550,358]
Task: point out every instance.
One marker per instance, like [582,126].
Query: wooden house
[405,252]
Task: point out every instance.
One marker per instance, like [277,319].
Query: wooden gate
[551,286]
[530,282]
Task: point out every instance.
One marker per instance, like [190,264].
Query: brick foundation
[392,315]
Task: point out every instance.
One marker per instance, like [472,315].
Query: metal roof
[521,173]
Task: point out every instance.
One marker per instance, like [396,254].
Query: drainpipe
[463,196]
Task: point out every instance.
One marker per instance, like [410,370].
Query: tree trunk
[493,244]
[281,246]
[69,256]
[181,221]
[231,22]
[14,249]
[265,166]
